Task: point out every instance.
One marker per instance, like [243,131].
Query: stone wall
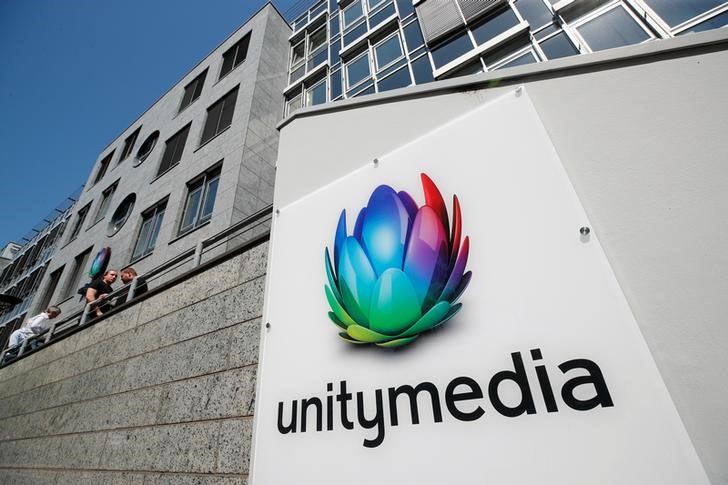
[161,392]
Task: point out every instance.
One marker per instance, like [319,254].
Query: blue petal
[384,232]
[359,223]
[340,237]
[356,281]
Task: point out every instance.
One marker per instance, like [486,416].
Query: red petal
[433,198]
[457,227]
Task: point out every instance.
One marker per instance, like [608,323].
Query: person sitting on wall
[99,289]
[33,326]
[127,275]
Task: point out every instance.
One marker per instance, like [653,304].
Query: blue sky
[75,73]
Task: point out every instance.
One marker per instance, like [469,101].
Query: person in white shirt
[33,326]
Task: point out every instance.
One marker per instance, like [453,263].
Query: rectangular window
[79,264]
[235,55]
[357,70]
[106,196]
[352,13]
[129,145]
[293,103]
[173,150]
[55,277]
[193,90]
[103,166]
[151,223]
[219,116]
[613,28]
[78,224]
[388,51]
[200,201]
[316,94]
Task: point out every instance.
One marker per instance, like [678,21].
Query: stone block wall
[162,392]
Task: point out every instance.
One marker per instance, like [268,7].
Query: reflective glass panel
[522,60]
[210,194]
[675,12]
[452,49]
[614,28]
[335,84]
[388,51]
[715,23]
[297,53]
[535,12]
[558,46]
[399,79]
[352,13]
[357,70]
[316,94]
[495,26]
[422,70]
[413,36]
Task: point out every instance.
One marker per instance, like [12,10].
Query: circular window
[121,214]
[146,148]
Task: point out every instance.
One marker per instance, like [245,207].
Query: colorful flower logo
[401,272]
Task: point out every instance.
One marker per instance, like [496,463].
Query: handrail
[81,318]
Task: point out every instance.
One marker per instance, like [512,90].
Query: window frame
[155,216]
[106,197]
[349,86]
[74,278]
[224,103]
[596,13]
[81,216]
[165,167]
[103,167]
[235,51]
[377,67]
[199,80]
[200,183]
[129,143]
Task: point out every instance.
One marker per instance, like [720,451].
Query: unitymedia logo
[397,276]
[401,271]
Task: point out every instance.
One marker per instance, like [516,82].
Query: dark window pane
[235,55]
[147,147]
[227,63]
[495,26]
[334,48]
[199,82]
[334,26]
[103,166]
[535,12]
[716,22]
[546,31]
[388,51]
[357,70]
[399,79]
[615,28]
[142,241]
[521,60]
[335,84]
[355,33]
[558,46]
[297,74]
[317,94]
[382,15]
[352,13]
[413,36]
[422,70]
[226,118]
[129,145]
[675,12]
[369,90]
[242,50]
[451,50]
[173,150]
[317,58]
[405,7]
[468,69]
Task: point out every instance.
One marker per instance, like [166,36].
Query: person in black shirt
[99,288]
[127,275]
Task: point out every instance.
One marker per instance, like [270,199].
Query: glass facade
[342,49]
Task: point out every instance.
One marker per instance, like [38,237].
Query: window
[352,13]
[193,90]
[452,49]
[53,280]
[80,217]
[357,70]
[103,166]
[219,116]
[79,263]
[613,28]
[200,200]
[535,12]
[308,53]
[495,26]
[388,51]
[173,150]
[146,149]
[316,94]
[129,145]
[105,201]
[293,103]
[121,214]
[151,223]
[235,55]
[677,12]
[558,46]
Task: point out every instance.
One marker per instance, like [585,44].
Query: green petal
[430,319]
[340,312]
[356,280]
[344,336]
[330,276]
[453,310]
[363,334]
[397,342]
[395,306]
[336,320]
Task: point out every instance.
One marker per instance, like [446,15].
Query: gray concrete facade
[245,153]
[162,392]
[640,132]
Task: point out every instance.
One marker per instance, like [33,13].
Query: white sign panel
[425,342]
